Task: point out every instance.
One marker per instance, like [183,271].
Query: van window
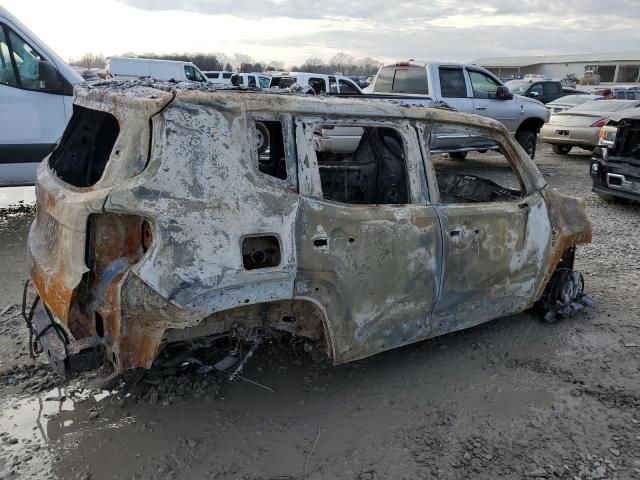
[347,89]
[412,80]
[264,82]
[193,74]
[227,75]
[212,74]
[333,86]
[251,81]
[27,62]
[318,85]
[7,74]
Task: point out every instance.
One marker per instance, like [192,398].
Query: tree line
[341,62]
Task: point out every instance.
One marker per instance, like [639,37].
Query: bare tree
[343,63]
[90,60]
[242,62]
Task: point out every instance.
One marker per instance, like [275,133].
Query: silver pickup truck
[466,88]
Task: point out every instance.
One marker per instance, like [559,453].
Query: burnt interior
[260,252]
[86,145]
[374,173]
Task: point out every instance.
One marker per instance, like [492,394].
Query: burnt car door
[367,243]
[496,232]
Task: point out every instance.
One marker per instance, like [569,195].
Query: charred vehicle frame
[160,221]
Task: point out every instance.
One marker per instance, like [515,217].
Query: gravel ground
[514,398]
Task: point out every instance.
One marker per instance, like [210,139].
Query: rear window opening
[270,146]
[86,145]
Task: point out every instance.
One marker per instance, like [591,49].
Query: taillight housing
[600,123]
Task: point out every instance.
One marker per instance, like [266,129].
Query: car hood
[632,113]
[528,100]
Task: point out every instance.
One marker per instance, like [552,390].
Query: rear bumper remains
[65,357]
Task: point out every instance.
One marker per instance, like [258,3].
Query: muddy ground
[515,398]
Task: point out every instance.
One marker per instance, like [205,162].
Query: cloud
[456,30]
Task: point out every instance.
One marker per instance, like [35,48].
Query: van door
[32,108]
[367,243]
[484,88]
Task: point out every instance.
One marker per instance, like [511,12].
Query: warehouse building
[623,67]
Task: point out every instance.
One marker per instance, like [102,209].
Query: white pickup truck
[466,88]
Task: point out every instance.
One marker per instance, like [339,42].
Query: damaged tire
[262,137]
[561,149]
[527,139]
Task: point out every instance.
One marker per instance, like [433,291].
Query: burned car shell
[616,172]
[149,251]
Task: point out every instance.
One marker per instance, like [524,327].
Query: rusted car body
[158,222]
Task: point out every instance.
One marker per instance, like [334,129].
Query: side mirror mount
[503,93]
[48,77]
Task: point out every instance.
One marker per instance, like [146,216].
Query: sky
[294,30]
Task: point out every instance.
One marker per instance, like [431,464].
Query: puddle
[16,196]
[36,430]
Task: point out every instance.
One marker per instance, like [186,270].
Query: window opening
[483,175]
[361,165]
[318,85]
[270,148]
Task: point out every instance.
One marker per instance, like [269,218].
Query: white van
[218,77]
[258,80]
[124,68]
[36,88]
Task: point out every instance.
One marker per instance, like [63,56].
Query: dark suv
[543,90]
[616,170]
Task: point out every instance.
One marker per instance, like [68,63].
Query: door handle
[481,107]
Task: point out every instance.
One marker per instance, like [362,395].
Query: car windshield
[604,106]
[518,86]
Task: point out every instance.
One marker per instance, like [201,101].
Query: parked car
[221,78]
[621,92]
[570,101]
[159,224]
[128,68]
[573,91]
[258,80]
[466,88]
[316,83]
[580,126]
[543,90]
[615,171]
[36,90]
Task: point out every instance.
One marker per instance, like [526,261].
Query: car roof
[244,100]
